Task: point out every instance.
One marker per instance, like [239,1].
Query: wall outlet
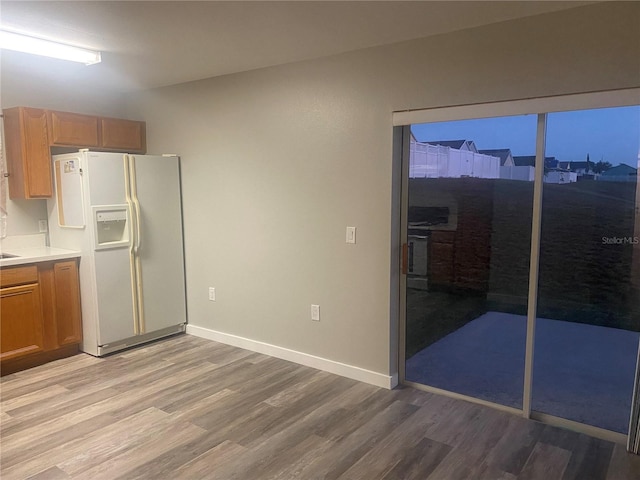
[351,234]
[212,294]
[42,226]
[315,313]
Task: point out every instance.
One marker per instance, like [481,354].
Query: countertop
[36,254]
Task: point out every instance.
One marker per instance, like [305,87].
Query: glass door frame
[540,107]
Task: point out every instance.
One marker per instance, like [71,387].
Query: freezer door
[114,295]
[105,181]
[160,244]
[105,178]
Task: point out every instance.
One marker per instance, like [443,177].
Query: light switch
[351,234]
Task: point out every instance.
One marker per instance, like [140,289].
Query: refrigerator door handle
[132,252]
[136,248]
[133,228]
[134,290]
[139,298]
[136,203]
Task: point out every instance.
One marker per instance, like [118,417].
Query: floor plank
[52,473]
[623,464]
[512,451]
[189,408]
[203,465]
[589,459]
[554,465]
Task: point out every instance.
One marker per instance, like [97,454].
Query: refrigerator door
[105,177]
[159,241]
[115,305]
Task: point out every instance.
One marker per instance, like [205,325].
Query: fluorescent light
[38,46]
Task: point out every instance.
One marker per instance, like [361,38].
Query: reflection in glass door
[469,238]
[522,266]
[588,299]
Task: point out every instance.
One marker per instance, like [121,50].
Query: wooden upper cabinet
[73,129]
[30,132]
[125,135]
[27,147]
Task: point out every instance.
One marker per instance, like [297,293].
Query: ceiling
[151,44]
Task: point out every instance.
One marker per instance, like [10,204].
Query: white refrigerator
[124,213]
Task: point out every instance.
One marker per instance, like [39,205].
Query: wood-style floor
[188,408]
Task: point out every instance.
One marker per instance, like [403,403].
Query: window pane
[469,236]
[589,302]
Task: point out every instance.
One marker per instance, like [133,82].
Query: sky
[608,134]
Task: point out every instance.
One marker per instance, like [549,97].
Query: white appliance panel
[69,193]
[114,295]
[161,248]
[105,178]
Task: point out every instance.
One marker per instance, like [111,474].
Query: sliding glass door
[522,263]
[469,238]
[588,299]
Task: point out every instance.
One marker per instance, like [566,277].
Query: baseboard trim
[342,369]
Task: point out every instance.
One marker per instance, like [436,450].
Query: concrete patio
[581,372]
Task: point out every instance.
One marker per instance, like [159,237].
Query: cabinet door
[20,321]
[126,135]
[27,148]
[73,129]
[67,304]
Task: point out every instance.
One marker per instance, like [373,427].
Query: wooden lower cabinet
[21,318]
[40,317]
[68,316]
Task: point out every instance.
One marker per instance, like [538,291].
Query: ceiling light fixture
[47,48]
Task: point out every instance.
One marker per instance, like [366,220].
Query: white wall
[277,162]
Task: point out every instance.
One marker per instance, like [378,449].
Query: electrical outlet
[212,294]
[42,226]
[315,313]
